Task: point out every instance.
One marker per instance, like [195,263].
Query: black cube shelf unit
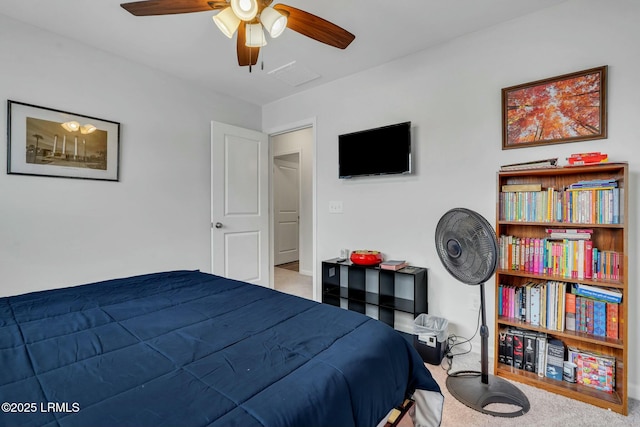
[356,286]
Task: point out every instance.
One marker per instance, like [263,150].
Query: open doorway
[292,211]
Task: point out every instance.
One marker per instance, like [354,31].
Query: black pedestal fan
[467,246]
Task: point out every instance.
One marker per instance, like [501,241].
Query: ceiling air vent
[294,74]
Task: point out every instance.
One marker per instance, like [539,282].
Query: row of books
[571,258]
[548,357]
[580,205]
[558,306]
[591,316]
[523,350]
[539,304]
[530,206]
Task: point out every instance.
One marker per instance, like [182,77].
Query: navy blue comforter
[185,348]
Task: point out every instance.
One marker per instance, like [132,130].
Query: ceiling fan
[250,18]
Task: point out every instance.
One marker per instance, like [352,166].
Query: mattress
[186,348]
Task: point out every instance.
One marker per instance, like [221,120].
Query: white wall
[59,232]
[452,96]
[301,141]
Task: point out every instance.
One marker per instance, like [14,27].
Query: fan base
[471,391]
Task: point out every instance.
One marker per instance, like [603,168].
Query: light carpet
[547,409]
[292,282]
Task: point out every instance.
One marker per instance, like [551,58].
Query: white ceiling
[191,47]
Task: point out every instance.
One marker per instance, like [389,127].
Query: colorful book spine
[578,314]
[570,311]
[518,349]
[612,320]
[589,319]
[536,256]
[588,259]
[512,302]
[583,314]
[505,300]
[599,318]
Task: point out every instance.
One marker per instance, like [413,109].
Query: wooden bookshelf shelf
[600,282]
[612,401]
[561,224]
[603,341]
[605,237]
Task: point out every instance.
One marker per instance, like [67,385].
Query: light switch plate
[335,206]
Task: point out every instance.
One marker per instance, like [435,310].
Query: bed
[186,348]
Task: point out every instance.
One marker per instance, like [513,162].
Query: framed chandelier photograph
[567,108]
[48,142]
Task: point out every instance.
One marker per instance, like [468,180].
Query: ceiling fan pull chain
[250,52]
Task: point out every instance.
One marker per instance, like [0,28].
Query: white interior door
[286,188]
[240,203]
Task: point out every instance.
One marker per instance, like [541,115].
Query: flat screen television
[380,151]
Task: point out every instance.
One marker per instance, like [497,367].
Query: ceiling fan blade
[170,7]
[316,28]
[246,55]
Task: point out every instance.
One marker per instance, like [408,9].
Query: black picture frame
[54,143]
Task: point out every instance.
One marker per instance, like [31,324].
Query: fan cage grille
[467,246]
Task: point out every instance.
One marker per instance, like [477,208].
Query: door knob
[218,225]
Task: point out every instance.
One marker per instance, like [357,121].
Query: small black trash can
[430,337]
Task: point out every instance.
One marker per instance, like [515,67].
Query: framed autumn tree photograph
[567,108]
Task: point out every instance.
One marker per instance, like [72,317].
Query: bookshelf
[387,295]
[527,215]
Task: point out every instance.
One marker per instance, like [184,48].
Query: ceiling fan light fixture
[274,21]
[255,36]
[72,126]
[86,129]
[227,21]
[233,17]
[245,9]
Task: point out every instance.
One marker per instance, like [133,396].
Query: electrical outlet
[474,302]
